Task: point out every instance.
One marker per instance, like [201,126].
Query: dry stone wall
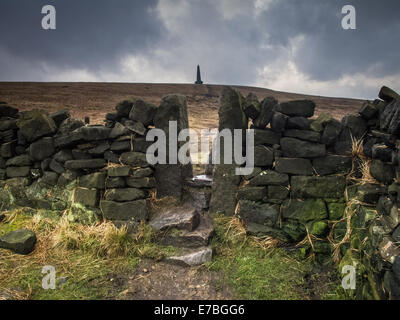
[330,186]
[101,169]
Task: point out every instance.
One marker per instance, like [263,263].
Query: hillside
[96,99]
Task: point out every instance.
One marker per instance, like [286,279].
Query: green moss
[336,211]
[80,214]
[20,220]
[318,228]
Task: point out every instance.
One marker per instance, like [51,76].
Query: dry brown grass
[96,99]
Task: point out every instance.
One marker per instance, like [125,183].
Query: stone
[141,145]
[85,164]
[170,179]
[69,125]
[141,182]
[87,197]
[7,150]
[392,286]
[189,239]
[278,122]
[143,112]
[277,193]
[128,211]
[388,250]
[135,127]
[297,108]
[336,210]
[304,210]
[368,110]
[295,148]
[121,146]
[224,190]
[388,94]
[120,171]
[396,235]
[20,241]
[99,149]
[10,124]
[306,135]
[263,156]
[80,155]
[8,111]
[134,159]
[319,124]
[19,161]
[56,167]
[318,228]
[343,147]
[93,133]
[332,164]
[382,152]
[142,172]
[266,112]
[231,115]
[59,116]
[118,182]
[318,187]
[16,172]
[67,177]
[173,108]
[294,230]
[197,258]
[121,195]
[368,193]
[182,218]
[353,126]
[78,213]
[35,124]
[124,108]
[382,172]
[42,149]
[390,118]
[111,157]
[49,178]
[252,193]
[266,137]
[296,166]
[251,106]
[201,197]
[385,205]
[254,212]
[118,130]
[63,156]
[95,180]
[270,178]
[299,123]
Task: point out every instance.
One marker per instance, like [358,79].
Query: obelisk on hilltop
[198,81]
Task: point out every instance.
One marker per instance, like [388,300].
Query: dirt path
[163,281]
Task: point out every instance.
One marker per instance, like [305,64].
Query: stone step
[184,218]
[190,258]
[201,181]
[189,239]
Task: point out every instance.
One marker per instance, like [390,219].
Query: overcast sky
[289,45]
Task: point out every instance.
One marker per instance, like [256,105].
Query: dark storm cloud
[329,51]
[163,40]
[89,34]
